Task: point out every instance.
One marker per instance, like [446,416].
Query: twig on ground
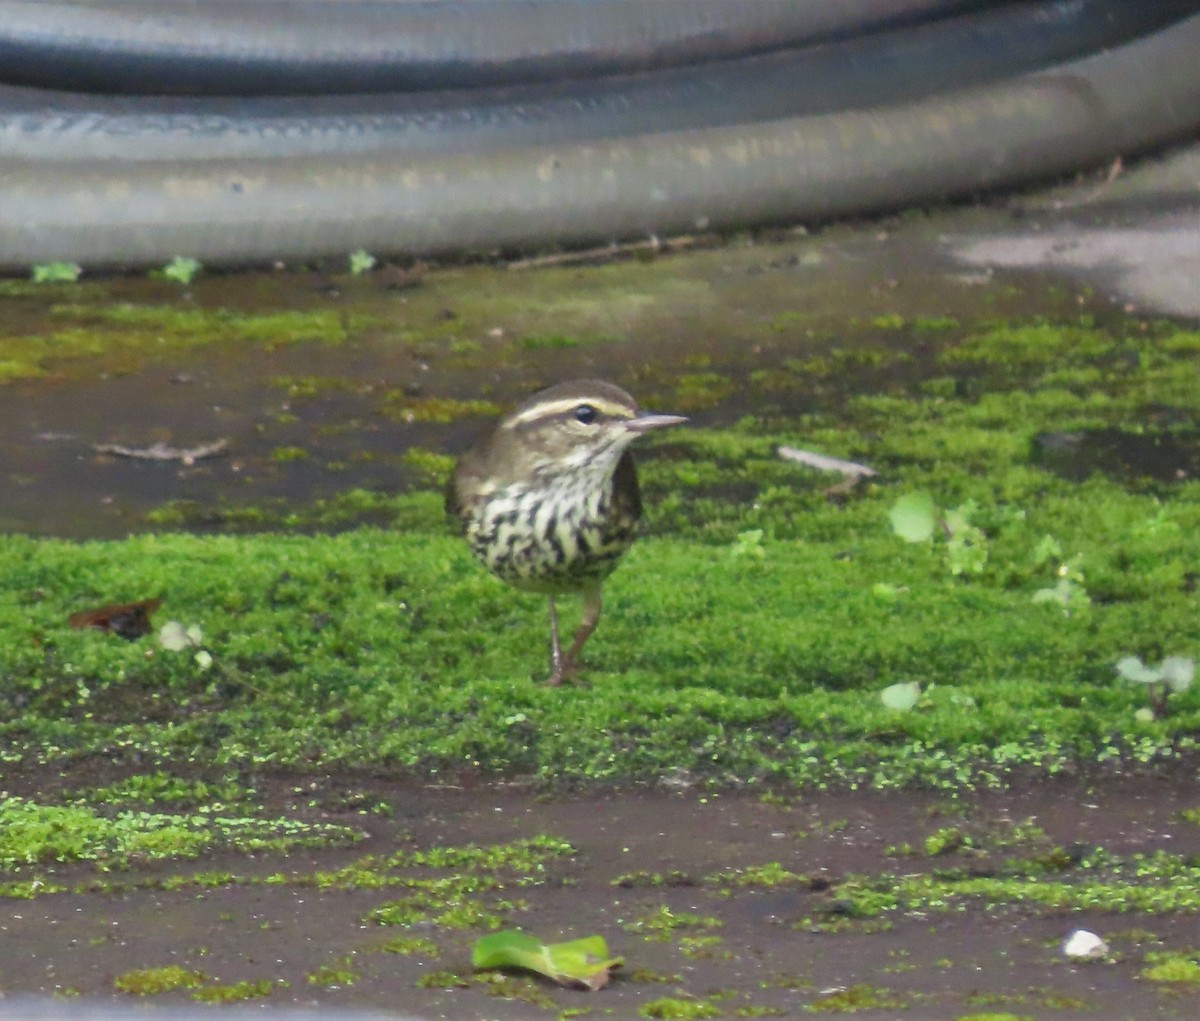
[852,472]
[613,251]
[162,452]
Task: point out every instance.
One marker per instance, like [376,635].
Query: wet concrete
[1133,234]
[935,965]
[731,311]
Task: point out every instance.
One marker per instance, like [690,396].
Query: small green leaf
[56,273]
[887,592]
[914,517]
[1048,548]
[181,269]
[173,637]
[1178,672]
[966,552]
[579,964]
[1144,715]
[1133,669]
[902,696]
[958,520]
[749,544]
[361,261]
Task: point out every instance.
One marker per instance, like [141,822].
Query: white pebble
[1082,945]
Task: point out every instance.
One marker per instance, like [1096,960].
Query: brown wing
[462,486]
[452,498]
[128,620]
[627,497]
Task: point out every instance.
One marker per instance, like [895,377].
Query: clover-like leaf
[55,273]
[361,261]
[914,517]
[902,696]
[181,269]
[578,964]
[173,637]
[1133,669]
[1178,672]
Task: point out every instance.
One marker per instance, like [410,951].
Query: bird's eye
[586,414]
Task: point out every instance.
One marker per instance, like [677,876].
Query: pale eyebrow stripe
[565,405]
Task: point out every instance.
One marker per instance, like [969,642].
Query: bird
[549,500]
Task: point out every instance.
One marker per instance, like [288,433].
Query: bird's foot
[566,672]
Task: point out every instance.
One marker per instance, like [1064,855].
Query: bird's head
[580,426]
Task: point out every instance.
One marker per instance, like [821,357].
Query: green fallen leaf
[579,964]
[914,517]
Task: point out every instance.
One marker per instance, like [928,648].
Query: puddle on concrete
[1129,455]
[932,965]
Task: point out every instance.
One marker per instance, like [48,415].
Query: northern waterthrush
[549,501]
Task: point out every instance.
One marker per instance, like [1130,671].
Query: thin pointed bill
[646,422]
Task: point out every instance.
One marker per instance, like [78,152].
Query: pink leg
[556,656]
[591,616]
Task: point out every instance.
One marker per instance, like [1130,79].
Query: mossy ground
[746,638]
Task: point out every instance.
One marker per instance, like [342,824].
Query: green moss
[1153,883]
[700,390]
[993,1016]
[660,923]
[443,980]
[410,946]
[704,947]
[646,975]
[350,507]
[667,1007]
[433,467]
[855,998]
[32,834]
[1172,967]
[641,878]
[159,788]
[284,454]
[405,408]
[771,874]
[745,637]
[152,981]
[331,975]
[514,987]
[123,336]
[946,841]
[304,387]
[935,323]
[236,992]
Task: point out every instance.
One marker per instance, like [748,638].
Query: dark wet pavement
[935,965]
